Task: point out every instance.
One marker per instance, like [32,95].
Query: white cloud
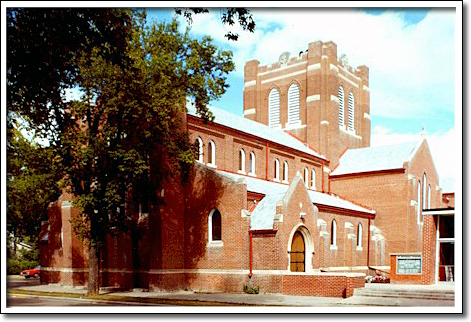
[411,67]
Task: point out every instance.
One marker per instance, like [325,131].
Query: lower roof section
[265,187]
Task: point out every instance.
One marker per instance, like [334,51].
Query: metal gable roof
[376,158]
[260,130]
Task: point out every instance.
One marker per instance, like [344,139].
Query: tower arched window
[277,170]
[242,161]
[211,153]
[285,171]
[293,104]
[333,233]
[341,107]
[306,177]
[274,108]
[199,143]
[252,163]
[313,179]
[351,112]
[359,235]
[214,226]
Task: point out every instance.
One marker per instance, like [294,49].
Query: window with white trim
[333,233]
[277,170]
[341,107]
[211,153]
[199,143]
[359,235]
[428,197]
[285,171]
[242,161]
[313,179]
[306,177]
[215,227]
[424,191]
[351,112]
[252,163]
[293,104]
[419,197]
[274,108]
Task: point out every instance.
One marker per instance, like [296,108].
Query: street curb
[92,300]
[133,300]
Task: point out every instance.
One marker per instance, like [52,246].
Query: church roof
[376,158]
[256,129]
[270,188]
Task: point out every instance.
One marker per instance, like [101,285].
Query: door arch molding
[308,246]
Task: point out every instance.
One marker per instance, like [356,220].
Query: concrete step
[401,293]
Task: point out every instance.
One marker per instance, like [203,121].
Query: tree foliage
[32,183]
[229,16]
[126,131]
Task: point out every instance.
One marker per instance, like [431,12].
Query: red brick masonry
[327,285]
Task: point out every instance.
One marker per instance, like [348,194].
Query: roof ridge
[305,143]
[346,199]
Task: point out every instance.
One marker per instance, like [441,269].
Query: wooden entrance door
[297,253]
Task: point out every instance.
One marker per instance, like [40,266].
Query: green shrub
[15,267]
[251,289]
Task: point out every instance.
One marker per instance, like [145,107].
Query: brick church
[290,198]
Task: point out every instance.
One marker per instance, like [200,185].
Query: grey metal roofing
[262,217]
[264,212]
[376,158]
[255,128]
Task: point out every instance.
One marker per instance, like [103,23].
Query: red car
[35,272]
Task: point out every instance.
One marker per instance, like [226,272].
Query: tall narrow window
[333,233]
[419,204]
[211,153]
[359,235]
[293,104]
[424,191]
[252,163]
[428,197]
[242,161]
[285,171]
[306,177]
[274,108]
[199,143]
[277,170]
[313,179]
[341,107]
[214,226]
[351,112]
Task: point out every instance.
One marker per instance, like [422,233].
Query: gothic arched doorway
[298,253]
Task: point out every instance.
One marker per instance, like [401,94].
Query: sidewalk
[260,299]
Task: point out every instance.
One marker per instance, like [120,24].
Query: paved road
[29,300]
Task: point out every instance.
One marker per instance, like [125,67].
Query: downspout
[266,161]
[251,254]
[368,251]
[260,231]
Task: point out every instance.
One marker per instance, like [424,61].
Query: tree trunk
[94,270]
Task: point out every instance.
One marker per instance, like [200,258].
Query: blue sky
[410,53]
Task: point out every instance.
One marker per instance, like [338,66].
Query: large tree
[32,183]
[135,81]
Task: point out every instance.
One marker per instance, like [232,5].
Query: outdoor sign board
[409,265]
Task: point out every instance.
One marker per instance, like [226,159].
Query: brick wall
[326,285]
[318,73]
